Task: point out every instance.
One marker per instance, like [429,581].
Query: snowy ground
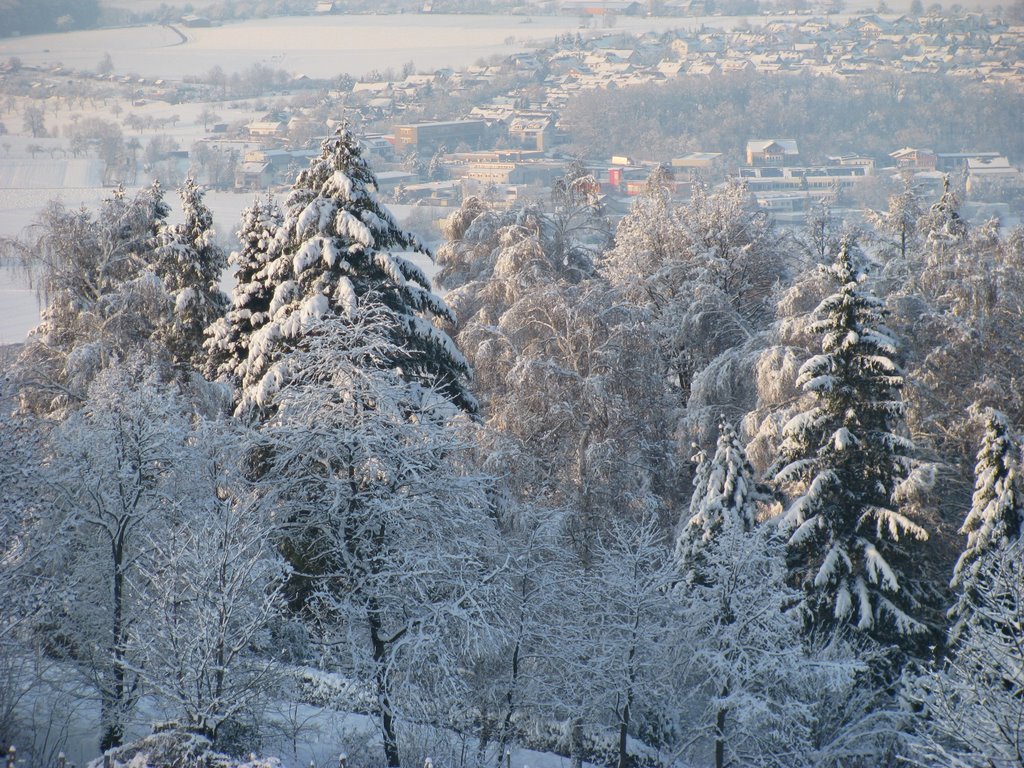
[299,734]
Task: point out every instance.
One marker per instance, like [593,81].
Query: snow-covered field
[324,46]
[318,46]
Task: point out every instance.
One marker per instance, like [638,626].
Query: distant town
[497,129]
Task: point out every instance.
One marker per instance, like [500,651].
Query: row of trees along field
[697,491]
[31,17]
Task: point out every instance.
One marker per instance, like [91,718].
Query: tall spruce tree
[336,246]
[844,458]
[943,226]
[973,698]
[996,517]
[227,342]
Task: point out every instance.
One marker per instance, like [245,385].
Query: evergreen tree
[725,494]
[190,263]
[845,459]
[753,687]
[943,226]
[336,246]
[227,342]
[997,510]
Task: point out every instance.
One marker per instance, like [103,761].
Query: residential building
[773,152]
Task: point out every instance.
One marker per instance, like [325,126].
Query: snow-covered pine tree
[945,237]
[754,689]
[227,342]
[337,245]
[844,458]
[996,517]
[725,494]
[190,263]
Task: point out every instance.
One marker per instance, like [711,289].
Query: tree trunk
[624,717]
[576,744]
[720,732]
[380,658]
[505,733]
[112,704]
[627,707]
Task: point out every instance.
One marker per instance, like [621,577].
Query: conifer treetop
[997,509]
[336,247]
[227,339]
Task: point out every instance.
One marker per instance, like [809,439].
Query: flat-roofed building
[693,165]
[429,137]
